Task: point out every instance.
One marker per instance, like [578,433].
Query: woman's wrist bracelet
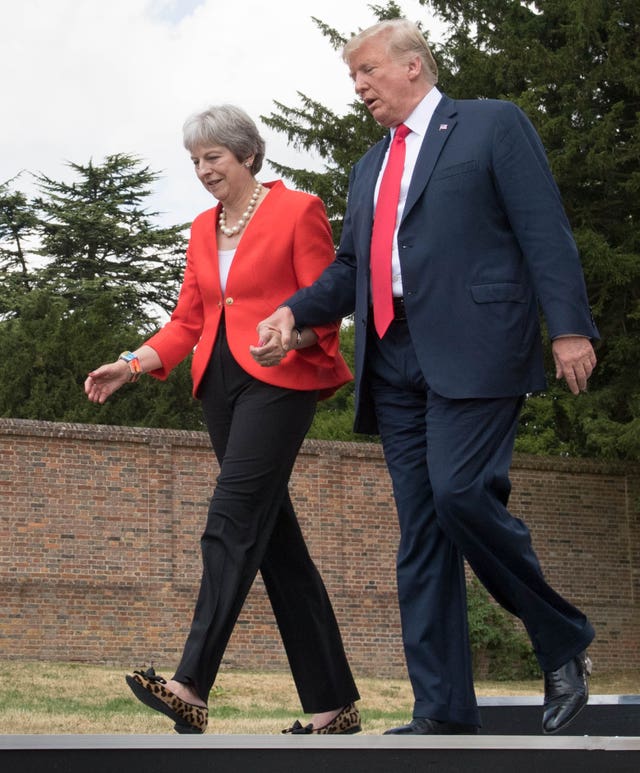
[134,364]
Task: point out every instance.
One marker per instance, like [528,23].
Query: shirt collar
[423,112]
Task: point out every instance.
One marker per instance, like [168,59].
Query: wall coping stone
[196,438]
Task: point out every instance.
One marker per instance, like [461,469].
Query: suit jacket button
[229,301]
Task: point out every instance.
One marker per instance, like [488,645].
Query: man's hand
[575,361]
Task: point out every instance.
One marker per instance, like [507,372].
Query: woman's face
[220,171]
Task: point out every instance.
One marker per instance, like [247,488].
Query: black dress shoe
[566,692]
[426,726]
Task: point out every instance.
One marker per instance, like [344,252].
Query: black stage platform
[612,744]
[317,754]
[604,715]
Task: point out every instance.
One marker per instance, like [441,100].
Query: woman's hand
[269,351]
[105,380]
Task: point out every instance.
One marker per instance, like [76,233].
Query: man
[480,239]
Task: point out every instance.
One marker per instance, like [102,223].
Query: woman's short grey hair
[229,126]
[404,39]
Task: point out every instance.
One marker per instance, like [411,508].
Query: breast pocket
[465,167]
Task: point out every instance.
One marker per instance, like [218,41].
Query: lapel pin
[443,127]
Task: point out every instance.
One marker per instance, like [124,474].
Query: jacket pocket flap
[498,292]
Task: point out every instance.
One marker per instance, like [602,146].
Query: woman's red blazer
[286,245]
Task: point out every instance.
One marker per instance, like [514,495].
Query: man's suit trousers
[449,463]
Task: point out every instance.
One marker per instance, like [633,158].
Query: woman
[259,245]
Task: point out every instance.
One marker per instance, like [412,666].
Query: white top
[418,122]
[225,259]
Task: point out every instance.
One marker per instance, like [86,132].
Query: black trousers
[256,430]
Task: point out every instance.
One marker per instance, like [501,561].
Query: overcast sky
[83,79]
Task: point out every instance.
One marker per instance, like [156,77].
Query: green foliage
[501,649]
[17,224]
[95,234]
[106,272]
[48,349]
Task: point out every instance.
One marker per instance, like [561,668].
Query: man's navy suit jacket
[484,242]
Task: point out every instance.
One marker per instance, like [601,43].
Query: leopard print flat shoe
[150,688]
[345,723]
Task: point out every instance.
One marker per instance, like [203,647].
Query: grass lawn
[54,698]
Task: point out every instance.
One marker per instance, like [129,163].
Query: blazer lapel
[440,128]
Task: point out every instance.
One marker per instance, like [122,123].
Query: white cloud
[87,78]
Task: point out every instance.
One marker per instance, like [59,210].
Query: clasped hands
[269,351]
[274,338]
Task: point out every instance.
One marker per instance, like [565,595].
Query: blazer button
[229,301]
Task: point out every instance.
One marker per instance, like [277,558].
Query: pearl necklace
[245,215]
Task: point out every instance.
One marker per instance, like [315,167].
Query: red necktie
[384,225]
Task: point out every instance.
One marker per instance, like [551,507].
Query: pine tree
[96,236]
[17,225]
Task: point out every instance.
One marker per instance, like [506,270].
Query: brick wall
[100,562]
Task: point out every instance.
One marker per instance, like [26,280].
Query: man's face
[386,85]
